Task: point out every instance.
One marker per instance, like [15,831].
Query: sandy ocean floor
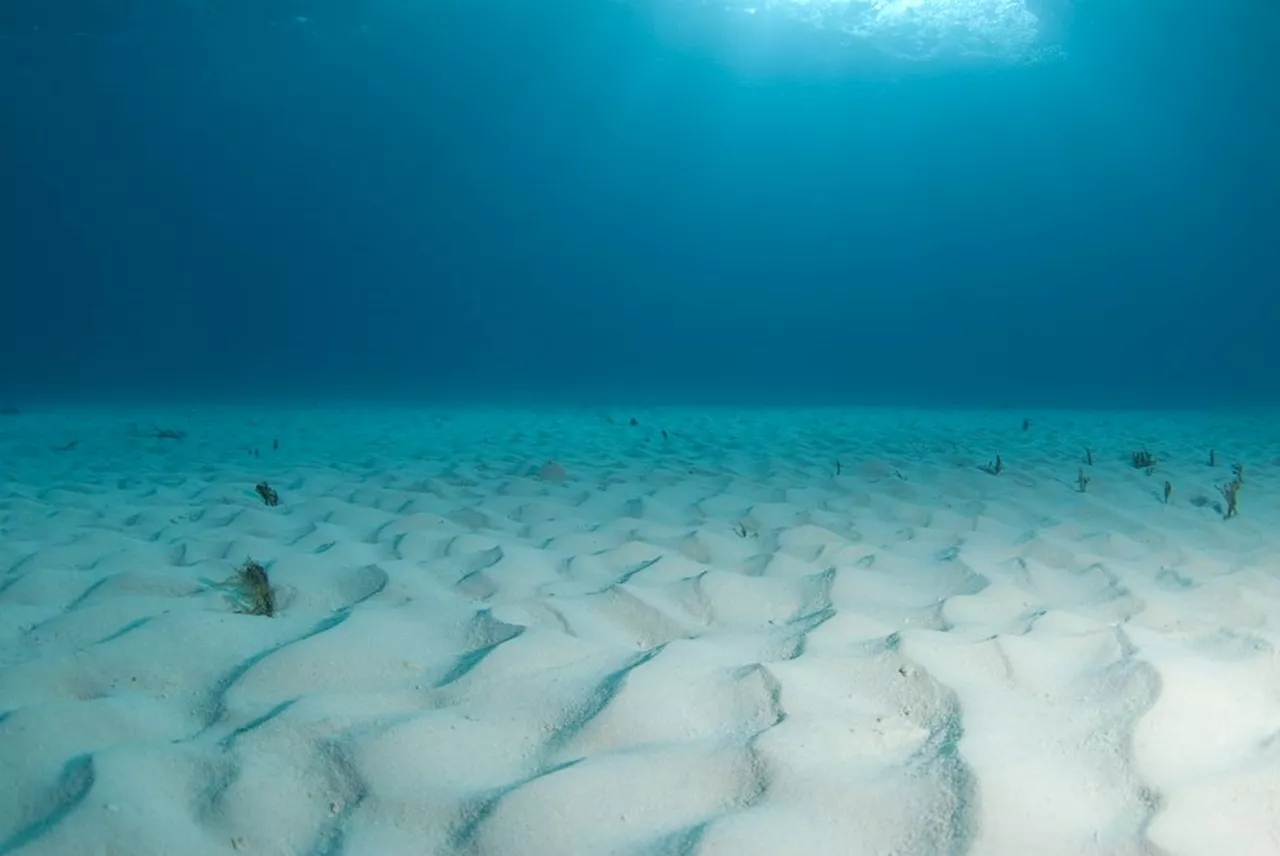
[708,632]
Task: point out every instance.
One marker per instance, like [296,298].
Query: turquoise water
[1049,203]
[655,428]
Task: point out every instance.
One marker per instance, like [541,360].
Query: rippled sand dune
[705,632]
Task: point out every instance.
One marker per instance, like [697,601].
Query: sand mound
[503,632]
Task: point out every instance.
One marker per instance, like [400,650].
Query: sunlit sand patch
[720,647]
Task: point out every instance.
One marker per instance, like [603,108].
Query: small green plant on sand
[267,494]
[1231,493]
[251,590]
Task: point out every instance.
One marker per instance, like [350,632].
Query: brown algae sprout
[267,494]
[1143,460]
[251,590]
[1231,493]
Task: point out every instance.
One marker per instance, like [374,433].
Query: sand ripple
[559,633]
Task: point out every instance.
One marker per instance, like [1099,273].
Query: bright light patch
[919,29]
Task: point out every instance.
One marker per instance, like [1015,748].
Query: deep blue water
[588,200]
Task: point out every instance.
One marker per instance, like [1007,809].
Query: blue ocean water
[250,603]
[592,200]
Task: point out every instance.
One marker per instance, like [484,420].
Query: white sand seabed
[708,643]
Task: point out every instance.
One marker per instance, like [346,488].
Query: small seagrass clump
[1231,493]
[1143,460]
[995,467]
[267,494]
[252,590]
